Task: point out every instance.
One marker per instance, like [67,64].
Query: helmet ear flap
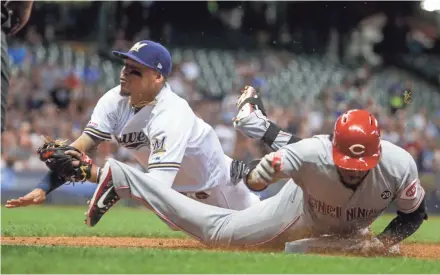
[373,121]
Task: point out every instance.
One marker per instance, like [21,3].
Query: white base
[326,243]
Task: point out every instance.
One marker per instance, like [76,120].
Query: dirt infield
[424,251]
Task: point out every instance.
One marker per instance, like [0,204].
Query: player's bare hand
[37,196]
[76,155]
[368,247]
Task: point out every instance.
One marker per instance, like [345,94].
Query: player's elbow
[417,216]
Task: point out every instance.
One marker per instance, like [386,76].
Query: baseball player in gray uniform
[340,184]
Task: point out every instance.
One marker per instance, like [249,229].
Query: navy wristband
[50,182]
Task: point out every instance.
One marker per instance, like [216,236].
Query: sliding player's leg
[213,225]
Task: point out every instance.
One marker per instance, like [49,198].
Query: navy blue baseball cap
[150,54]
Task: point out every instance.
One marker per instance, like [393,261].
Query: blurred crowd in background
[48,99]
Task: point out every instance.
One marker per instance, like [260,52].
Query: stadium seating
[290,77]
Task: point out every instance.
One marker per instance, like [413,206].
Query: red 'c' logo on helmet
[357,149]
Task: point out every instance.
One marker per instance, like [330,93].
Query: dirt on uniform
[414,250]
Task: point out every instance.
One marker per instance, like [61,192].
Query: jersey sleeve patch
[416,205]
[158,145]
[410,192]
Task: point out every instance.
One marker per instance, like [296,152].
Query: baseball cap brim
[128,55]
[349,163]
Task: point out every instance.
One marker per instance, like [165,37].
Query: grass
[134,260]
[69,221]
[120,221]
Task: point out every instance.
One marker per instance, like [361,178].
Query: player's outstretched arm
[411,208]
[252,121]
[403,226]
[400,228]
[411,212]
[51,181]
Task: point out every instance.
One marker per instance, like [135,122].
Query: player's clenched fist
[260,173]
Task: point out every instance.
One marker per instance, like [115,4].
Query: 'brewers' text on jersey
[174,139]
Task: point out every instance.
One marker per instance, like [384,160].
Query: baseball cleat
[103,199]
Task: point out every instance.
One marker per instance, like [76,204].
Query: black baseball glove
[72,167]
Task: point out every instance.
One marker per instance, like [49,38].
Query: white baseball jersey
[181,149]
[331,205]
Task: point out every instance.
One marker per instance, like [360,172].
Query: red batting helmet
[356,141]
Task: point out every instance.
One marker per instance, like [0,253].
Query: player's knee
[216,242]
[213,239]
[218,235]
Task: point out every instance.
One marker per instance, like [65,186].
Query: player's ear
[159,78]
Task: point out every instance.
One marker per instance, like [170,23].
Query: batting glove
[262,173]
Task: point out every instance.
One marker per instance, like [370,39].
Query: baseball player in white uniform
[178,149]
[344,181]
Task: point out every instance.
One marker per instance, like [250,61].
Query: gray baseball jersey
[354,208]
[317,204]
[331,205]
